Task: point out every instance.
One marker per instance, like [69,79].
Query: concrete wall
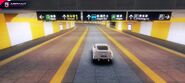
[146,28]
[177,32]
[173,30]
[19,28]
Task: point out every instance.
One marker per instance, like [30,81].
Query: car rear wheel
[94,60]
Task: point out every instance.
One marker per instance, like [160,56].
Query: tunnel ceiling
[105,4]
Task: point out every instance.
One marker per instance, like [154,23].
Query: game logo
[4,4]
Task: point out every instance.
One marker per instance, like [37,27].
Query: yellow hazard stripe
[59,75]
[14,57]
[149,72]
[4,35]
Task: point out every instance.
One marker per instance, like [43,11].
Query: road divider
[149,72]
[16,56]
[153,44]
[59,75]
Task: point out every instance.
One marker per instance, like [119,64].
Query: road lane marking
[16,56]
[149,72]
[59,75]
[153,44]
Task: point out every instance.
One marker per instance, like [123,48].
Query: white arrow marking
[88,16]
[64,16]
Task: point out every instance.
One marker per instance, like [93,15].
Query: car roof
[101,44]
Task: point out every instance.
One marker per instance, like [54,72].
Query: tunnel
[92,41]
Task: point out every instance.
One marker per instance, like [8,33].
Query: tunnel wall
[4,36]
[173,30]
[160,29]
[19,28]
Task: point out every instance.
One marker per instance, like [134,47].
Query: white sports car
[102,52]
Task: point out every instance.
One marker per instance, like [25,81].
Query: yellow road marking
[59,75]
[153,44]
[149,72]
[14,57]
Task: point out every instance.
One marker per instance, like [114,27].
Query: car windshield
[102,47]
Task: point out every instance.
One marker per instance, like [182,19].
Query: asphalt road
[169,66]
[102,72]
[40,65]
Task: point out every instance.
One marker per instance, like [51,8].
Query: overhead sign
[104,16]
[148,16]
[59,15]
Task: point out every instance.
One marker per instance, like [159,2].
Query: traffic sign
[103,16]
[59,15]
[149,16]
